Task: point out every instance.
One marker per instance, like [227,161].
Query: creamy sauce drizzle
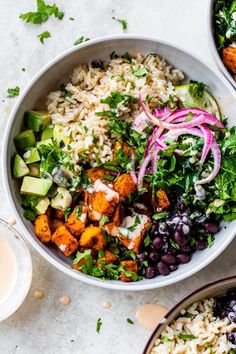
[7,269]
[99,186]
[149,315]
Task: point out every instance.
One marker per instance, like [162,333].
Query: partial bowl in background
[50,77]
[210,290]
[212,43]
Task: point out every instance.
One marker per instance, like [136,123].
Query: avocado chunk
[47,133]
[25,140]
[20,168]
[36,120]
[38,187]
[42,205]
[62,200]
[58,135]
[31,155]
[34,170]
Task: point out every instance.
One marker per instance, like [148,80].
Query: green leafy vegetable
[224,22]
[123,23]
[13,92]
[81,40]
[42,36]
[42,14]
[196,89]
[98,325]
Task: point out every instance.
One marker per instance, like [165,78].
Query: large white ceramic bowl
[50,77]
[211,39]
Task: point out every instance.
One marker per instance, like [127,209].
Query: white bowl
[50,77]
[23,277]
[210,35]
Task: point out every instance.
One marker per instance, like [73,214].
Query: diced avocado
[206,102]
[42,205]
[31,155]
[34,169]
[47,133]
[25,140]
[36,120]
[20,168]
[44,142]
[58,135]
[62,200]
[38,187]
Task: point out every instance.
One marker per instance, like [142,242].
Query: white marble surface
[45,326]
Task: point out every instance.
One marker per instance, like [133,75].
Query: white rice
[76,114]
[210,332]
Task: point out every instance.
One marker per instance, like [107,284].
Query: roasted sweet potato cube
[42,228]
[96,173]
[229,58]
[111,229]
[65,241]
[55,224]
[102,204]
[109,257]
[76,223]
[130,266]
[118,215]
[125,185]
[59,214]
[162,200]
[92,237]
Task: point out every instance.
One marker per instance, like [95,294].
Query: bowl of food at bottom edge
[119,161]
[221,28]
[203,322]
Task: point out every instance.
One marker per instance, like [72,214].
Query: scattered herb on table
[42,14]
[42,36]
[13,92]
[130,321]
[99,325]
[23,69]
[71,18]
[123,23]
[81,40]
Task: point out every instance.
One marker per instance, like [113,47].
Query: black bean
[211,227]
[168,258]
[223,314]
[154,256]
[183,258]
[231,294]
[163,229]
[141,256]
[232,304]
[231,337]
[157,243]
[173,267]
[154,230]
[172,250]
[180,240]
[232,316]
[179,228]
[200,245]
[149,273]
[163,268]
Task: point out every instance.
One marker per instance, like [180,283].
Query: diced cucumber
[31,155]
[34,169]
[44,142]
[35,186]
[206,102]
[42,205]
[58,135]
[36,120]
[25,140]
[47,133]
[20,168]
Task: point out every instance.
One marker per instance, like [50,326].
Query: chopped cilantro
[78,211]
[42,36]
[80,256]
[81,40]
[42,14]
[67,213]
[186,336]
[98,325]
[140,72]
[13,92]
[147,241]
[130,321]
[174,244]
[159,216]
[210,240]
[100,253]
[196,89]
[104,220]
[30,214]
[165,339]
[188,315]
[137,221]
[123,23]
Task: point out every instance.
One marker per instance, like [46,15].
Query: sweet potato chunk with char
[76,223]
[130,266]
[229,58]
[55,224]
[125,185]
[92,237]
[65,241]
[102,204]
[109,257]
[96,173]
[42,228]
[118,215]
[162,200]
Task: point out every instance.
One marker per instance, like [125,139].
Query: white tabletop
[46,326]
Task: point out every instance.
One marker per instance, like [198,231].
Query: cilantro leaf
[67,213]
[103,220]
[186,336]
[98,325]
[42,14]
[123,23]
[78,211]
[81,40]
[13,92]
[196,89]
[42,36]
[140,72]
[80,256]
